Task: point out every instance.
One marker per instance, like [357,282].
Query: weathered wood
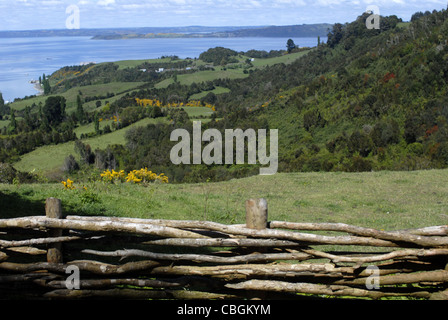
[382,257]
[102,226]
[397,236]
[94,267]
[53,210]
[223,242]
[317,289]
[250,258]
[136,294]
[28,277]
[107,283]
[302,238]
[342,227]
[252,270]
[171,229]
[408,278]
[442,295]
[36,241]
[28,250]
[338,227]
[256,214]
[3,256]
[421,260]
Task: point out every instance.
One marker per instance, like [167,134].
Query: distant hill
[304,30]
[298,31]
[116,31]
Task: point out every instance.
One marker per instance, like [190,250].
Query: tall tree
[2,105]
[13,123]
[46,85]
[79,110]
[290,45]
[96,121]
[54,110]
[336,34]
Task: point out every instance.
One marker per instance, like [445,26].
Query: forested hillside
[368,100]
[365,100]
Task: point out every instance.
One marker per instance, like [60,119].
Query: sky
[52,14]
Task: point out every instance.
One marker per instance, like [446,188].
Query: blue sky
[51,14]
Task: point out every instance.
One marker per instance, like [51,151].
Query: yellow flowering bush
[157,103]
[110,176]
[68,185]
[136,176]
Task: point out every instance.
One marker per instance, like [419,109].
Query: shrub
[70,164]
[385,133]
[359,164]
[7,173]
[360,143]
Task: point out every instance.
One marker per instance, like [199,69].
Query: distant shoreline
[37,87]
[290,31]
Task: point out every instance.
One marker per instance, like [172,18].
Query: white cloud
[27,14]
[106,2]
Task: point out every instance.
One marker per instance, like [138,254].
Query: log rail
[79,257]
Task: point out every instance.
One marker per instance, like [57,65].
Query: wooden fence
[74,257]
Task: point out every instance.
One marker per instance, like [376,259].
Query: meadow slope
[383,200]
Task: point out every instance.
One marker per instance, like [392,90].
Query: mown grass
[203,76]
[286,59]
[217,90]
[381,200]
[124,64]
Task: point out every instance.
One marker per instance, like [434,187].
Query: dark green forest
[365,100]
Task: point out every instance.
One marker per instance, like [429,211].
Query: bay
[25,59]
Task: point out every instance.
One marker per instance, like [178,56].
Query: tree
[360,143]
[79,110]
[290,45]
[46,85]
[2,105]
[13,123]
[216,55]
[335,36]
[70,165]
[96,121]
[85,152]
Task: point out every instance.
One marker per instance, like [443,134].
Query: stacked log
[172,259]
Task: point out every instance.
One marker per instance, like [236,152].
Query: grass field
[286,59]
[4,123]
[87,91]
[381,200]
[124,64]
[50,158]
[217,90]
[203,76]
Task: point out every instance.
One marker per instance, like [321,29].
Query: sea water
[23,60]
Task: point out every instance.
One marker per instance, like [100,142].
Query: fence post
[257,214]
[53,209]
